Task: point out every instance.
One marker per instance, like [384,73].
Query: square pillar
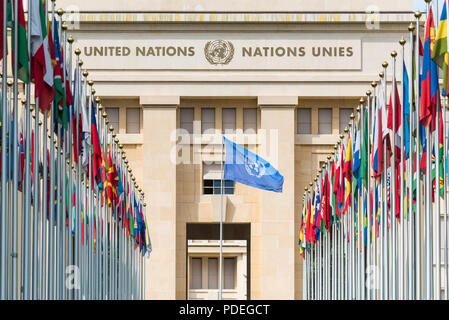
[274,263]
[159,185]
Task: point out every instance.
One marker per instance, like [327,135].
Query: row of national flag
[379,197]
[65,181]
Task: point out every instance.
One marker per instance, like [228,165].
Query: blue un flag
[241,165]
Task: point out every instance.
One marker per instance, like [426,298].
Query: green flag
[23,68]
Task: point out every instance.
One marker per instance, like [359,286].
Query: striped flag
[440,54]
[429,81]
[23,70]
[347,168]
[42,70]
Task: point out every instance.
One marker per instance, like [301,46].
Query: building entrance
[202,257]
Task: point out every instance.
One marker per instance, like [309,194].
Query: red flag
[397,124]
[309,226]
[112,181]
[41,72]
[96,149]
[327,202]
[429,82]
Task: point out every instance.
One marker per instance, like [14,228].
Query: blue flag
[406,114]
[241,165]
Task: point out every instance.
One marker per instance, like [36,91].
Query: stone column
[277,239]
[159,185]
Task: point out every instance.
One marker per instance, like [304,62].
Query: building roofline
[240,17]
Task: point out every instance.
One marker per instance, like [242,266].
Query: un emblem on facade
[219,52]
[254,168]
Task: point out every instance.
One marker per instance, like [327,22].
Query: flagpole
[25,281]
[364,253]
[85,199]
[438,206]
[360,206]
[351,222]
[105,211]
[220,286]
[70,40]
[7,123]
[445,199]
[64,163]
[418,217]
[410,174]
[385,271]
[371,240]
[446,242]
[401,265]
[110,218]
[353,213]
[100,243]
[428,209]
[437,186]
[98,214]
[77,218]
[57,189]
[35,270]
[91,185]
[3,275]
[393,188]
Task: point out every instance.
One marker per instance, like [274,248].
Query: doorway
[202,254]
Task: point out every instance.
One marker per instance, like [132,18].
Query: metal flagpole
[7,235]
[70,40]
[446,235]
[428,210]
[401,264]
[418,217]
[59,213]
[351,224]
[394,248]
[368,193]
[105,212]
[304,262]
[114,232]
[374,257]
[220,285]
[90,197]
[77,244]
[64,176]
[437,190]
[51,234]
[99,212]
[7,122]
[85,200]
[359,211]
[410,216]
[363,203]
[445,200]
[446,284]
[110,218]
[438,205]
[384,271]
[13,132]
[35,272]
[3,276]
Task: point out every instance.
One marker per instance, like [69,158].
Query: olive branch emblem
[219,52]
